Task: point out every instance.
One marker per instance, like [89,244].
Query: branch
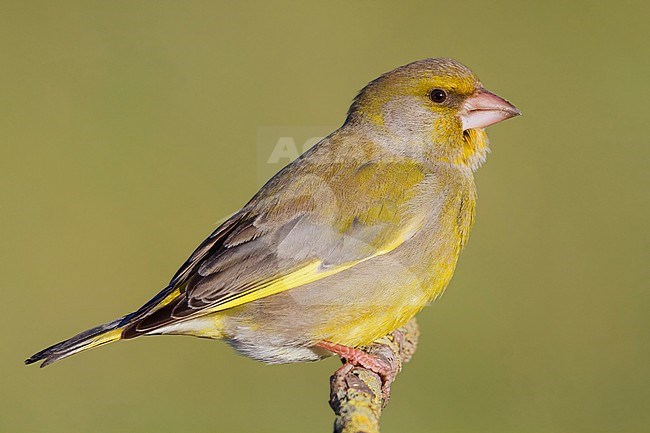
[355,392]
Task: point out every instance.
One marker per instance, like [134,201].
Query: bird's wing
[298,229]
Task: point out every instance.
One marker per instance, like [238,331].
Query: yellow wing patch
[305,275]
[167,299]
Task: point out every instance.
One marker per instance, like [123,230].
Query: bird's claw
[352,357]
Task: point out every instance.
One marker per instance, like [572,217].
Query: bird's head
[436,103]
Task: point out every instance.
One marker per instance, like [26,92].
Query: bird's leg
[358,358]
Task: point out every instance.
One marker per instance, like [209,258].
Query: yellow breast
[417,272]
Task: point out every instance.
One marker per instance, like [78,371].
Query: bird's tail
[98,336]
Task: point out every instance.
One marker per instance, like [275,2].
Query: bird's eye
[438,96]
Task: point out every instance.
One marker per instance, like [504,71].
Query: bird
[346,243]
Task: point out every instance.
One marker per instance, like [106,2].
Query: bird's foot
[352,357]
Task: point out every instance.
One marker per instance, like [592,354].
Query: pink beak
[484,108]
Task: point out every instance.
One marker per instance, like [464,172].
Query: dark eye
[438,96]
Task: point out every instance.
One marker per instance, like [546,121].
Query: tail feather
[94,337]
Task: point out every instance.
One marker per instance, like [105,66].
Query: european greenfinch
[345,244]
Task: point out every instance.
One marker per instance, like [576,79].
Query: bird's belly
[406,288]
[353,308]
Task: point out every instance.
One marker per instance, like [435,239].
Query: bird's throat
[475,147]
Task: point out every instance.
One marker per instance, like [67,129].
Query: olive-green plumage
[346,243]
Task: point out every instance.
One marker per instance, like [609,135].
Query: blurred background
[130,128]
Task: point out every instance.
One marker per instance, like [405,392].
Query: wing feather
[282,240]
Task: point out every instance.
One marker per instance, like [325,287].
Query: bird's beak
[484,108]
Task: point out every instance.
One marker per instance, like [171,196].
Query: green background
[129,128]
